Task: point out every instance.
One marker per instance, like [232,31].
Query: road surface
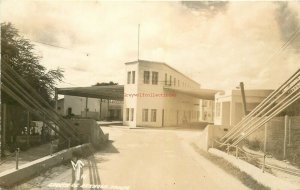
[143,159]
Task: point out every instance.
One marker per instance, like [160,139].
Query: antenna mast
[138,53]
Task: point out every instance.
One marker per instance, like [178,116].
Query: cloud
[217,44]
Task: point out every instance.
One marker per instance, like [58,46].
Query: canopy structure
[112,92]
[206,94]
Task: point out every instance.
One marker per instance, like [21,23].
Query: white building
[156,95]
[229,107]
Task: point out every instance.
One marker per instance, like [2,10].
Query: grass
[246,179]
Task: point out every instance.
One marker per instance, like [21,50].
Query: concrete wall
[275,137]
[13,177]
[209,134]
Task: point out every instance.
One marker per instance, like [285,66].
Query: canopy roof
[112,92]
[206,94]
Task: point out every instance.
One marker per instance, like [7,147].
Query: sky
[217,44]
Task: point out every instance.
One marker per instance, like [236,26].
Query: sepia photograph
[150,95]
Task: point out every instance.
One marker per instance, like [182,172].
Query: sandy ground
[144,159]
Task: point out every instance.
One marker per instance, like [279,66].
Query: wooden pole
[286,121]
[3,130]
[243,98]
[100,109]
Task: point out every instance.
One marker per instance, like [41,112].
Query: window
[178,83]
[174,81]
[154,77]
[153,115]
[146,77]
[198,115]
[145,115]
[133,77]
[170,80]
[132,113]
[166,79]
[218,110]
[128,77]
[127,114]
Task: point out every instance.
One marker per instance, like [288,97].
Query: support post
[108,115]
[228,146]
[3,129]
[28,128]
[51,148]
[264,163]
[286,121]
[56,98]
[86,106]
[17,158]
[100,108]
[265,138]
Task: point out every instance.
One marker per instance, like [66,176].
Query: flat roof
[162,63]
[111,92]
[206,94]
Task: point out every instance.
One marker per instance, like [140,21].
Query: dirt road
[143,159]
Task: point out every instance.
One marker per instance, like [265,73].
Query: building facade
[229,107]
[90,108]
[154,96]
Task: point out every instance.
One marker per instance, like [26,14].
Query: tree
[105,83]
[19,53]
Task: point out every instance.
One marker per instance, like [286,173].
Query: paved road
[145,159]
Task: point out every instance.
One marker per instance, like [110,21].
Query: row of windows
[131,111]
[147,77]
[130,77]
[145,115]
[174,82]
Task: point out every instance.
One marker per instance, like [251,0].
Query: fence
[259,160]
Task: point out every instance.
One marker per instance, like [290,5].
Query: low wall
[13,177]
[210,133]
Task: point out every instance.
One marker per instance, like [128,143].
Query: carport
[111,92]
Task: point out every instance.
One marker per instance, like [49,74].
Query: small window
[132,114]
[174,81]
[153,115]
[128,77]
[146,77]
[145,115]
[133,77]
[178,84]
[154,77]
[170,80]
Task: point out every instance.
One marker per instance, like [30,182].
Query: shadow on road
[93,172]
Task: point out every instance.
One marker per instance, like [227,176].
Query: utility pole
[243,98]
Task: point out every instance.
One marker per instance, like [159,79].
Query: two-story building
[157,95]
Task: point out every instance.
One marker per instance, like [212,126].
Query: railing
[240,153]
[276,102]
